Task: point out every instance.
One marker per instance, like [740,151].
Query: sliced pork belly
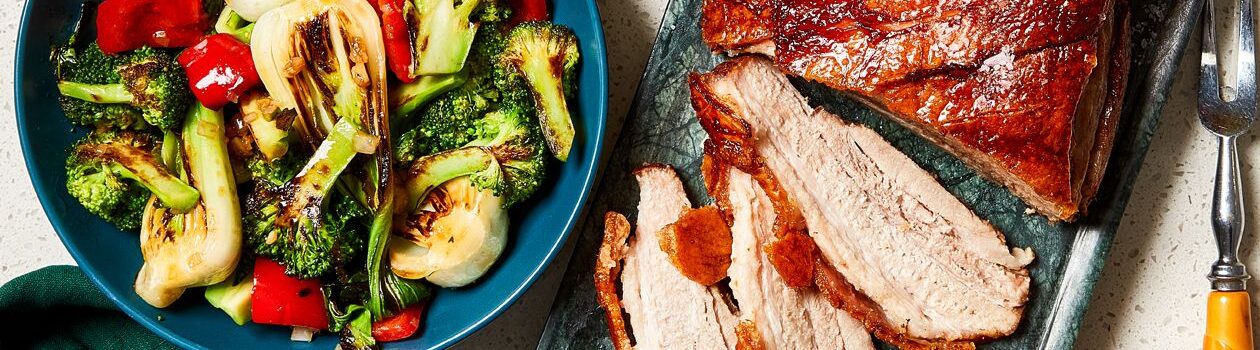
[899,252]
[1026,92]
[783,317]
[666,310]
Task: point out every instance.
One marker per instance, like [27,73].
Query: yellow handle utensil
[1228,321]
[1227,108]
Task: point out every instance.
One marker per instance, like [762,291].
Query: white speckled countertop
[1150,294]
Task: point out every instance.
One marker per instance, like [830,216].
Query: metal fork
[1227,108]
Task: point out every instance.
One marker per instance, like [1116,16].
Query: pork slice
[935,270]
[785,318]
[666,310]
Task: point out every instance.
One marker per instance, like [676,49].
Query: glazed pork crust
[1021,90]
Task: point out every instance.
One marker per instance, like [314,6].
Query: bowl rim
[598,58]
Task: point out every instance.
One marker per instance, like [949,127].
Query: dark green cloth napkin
[56,307]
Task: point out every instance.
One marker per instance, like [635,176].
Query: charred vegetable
[112,173]
[200,247]
[455,222]
[458,233]
[546,55]
[268,124]
[117,91]
[292,224]
[440,33]
[448,121]
[506,159]
[406,98]
[325,59]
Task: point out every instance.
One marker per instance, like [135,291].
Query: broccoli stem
[172,191]
[148,171]
[96,93]
[409,97]
[557,125]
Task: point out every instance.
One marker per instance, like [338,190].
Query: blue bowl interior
[111,257]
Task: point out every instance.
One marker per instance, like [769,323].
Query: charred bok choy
[433,37]
[456,222]
[199,247]
[324,60]
[428,43]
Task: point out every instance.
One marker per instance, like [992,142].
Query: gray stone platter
[662,128]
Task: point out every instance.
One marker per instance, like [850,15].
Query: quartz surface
[1151,294]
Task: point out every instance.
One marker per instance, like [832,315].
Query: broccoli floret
[347,223]
[447,122]
[517,148]
[276,172]
[112,174]
[546,57]
[505,158]
[291,223]
[84,66]
[117,91]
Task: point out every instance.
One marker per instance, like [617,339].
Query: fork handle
[1228,273]
[1228,321]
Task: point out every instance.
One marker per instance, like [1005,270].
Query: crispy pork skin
[932,271]
[783,317]
[1020,90]
[699,245]
[666,309]
[738,26]
[608,273]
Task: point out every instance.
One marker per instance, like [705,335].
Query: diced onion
[366,144]
[301,333]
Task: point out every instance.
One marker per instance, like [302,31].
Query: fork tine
[1246,55]
[1227,73]
[1208,73]
[1228,61]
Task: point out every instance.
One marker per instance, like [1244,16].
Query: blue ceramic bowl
[111,257]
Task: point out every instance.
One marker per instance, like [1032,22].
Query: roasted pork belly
[783,317]
[666,309]
[895,248]
[1025,92]
[669,309]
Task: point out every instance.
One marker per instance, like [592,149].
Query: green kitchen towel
[56,307]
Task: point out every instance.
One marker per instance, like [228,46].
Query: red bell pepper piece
[124,25]
[220,69]
[397,38]
[283,300]
[527,10]
[399,326]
